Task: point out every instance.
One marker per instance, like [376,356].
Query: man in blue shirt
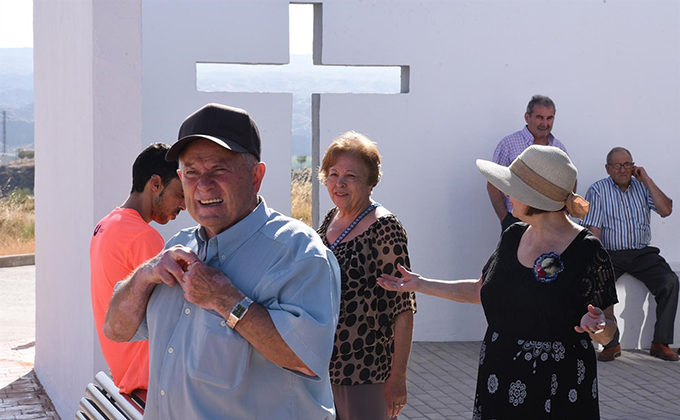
[240,311]
[620,214]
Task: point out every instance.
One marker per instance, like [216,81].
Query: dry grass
[17,223]
[301,195]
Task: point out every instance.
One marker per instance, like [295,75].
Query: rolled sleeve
[594,216]
[303,304]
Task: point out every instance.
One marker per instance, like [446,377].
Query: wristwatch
[238,311]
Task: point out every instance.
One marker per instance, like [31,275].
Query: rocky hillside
[18,174]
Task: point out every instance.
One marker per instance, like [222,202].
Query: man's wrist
[238,312]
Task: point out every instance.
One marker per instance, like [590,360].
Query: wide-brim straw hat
[542,177]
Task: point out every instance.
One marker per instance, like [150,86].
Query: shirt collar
[529,138]
[232,238]
[613,184]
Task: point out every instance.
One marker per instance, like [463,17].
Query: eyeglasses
[627,166]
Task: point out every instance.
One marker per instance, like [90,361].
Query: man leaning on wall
[539,118]
[123,240]
[620,215]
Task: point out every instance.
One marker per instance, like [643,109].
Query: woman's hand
[592,321]
[395,394]
[410,282]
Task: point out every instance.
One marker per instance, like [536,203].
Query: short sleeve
[600,281]
[391,243]
[594,215]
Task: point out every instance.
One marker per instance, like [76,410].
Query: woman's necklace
[353,224]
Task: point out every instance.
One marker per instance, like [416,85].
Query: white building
[122,74]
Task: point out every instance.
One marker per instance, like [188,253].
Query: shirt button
[162,393]
[223,323]
[224,257]
[170,350]
[187,311]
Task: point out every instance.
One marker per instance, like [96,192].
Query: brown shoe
[662,351]
[610,353]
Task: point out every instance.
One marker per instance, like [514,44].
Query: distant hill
[300,78]
[16,97]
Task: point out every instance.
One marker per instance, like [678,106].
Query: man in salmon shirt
[122,241]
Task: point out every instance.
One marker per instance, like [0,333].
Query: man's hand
[641,174]
[209,288]
[169,266]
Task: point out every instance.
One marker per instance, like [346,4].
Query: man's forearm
[497,201]
[259,330]
[128,306]
[663,204]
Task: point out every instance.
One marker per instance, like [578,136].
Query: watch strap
[238,312]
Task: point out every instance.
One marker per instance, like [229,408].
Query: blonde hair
[355,144]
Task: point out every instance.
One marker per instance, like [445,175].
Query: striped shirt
[623,216]
[513,145]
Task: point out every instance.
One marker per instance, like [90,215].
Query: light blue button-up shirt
[202,369]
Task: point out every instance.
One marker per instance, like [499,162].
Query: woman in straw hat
[547,291]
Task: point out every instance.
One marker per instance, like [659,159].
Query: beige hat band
[537,182]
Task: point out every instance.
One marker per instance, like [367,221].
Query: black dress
[532,364]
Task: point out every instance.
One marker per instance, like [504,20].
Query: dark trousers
[507,221]
[650,268]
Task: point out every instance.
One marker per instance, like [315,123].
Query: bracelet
[238,312]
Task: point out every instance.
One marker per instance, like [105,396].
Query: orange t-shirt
[121,241]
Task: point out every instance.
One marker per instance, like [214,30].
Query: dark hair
[533,210]
[152,162]
[540,100]
[355,144]
[617,149]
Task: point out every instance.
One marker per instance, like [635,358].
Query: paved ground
[441,375]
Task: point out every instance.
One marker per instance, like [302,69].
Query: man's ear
[155,183]
[526,117]
[258,175]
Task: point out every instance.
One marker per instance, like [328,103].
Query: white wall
[88,132]
[611,67]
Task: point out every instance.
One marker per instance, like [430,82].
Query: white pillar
[87,133]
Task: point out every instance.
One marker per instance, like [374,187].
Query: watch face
[238,311]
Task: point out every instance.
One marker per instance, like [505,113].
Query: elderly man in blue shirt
[620,216]
[240,311]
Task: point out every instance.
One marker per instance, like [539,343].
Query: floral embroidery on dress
[581,369]
[584,343]
[517,393]
[492,384]
[547,266]
[573,395]
[535,350]
[494,336]
[553,385]
[594,391]
[482,353]
[547,406]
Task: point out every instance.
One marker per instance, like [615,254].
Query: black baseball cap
[231,128]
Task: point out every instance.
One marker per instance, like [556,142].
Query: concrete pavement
[441,376]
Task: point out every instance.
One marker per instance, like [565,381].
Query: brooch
[547,267]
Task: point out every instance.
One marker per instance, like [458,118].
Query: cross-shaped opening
[305,77]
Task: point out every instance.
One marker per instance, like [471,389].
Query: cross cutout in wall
[306,79]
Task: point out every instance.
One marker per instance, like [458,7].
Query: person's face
[168,203]
[220,187]
[347,183]
[519,209]
[541,120]
[622,175]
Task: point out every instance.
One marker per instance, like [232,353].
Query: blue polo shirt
[202,369]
